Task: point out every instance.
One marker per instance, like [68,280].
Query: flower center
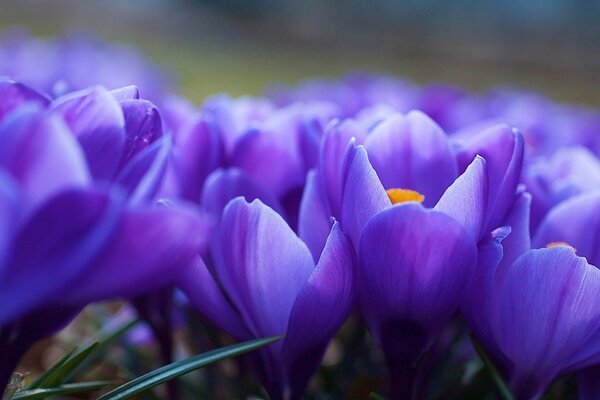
[403,195]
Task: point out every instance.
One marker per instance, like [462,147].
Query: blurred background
[241,47]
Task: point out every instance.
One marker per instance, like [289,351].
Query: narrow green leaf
[178,368]
[104,342]
[375,396]
[59,375]
[492,371]
[36,383]
[42,393]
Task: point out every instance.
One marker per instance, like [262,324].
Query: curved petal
[331,160]
[261,264]
[414,264]
[143,127]
[207,297]
[575,221]
[224,185]
[9,216]
[149,249]
[363,195]
[130,92]
[142,176]
[329,291]
[96,119]
[41,155]
[314,224]
[271,158]
[412,152]
[519,239]
[198,152]
[57,243]
[543,309]
[502,149]
[13,94]
[466,199]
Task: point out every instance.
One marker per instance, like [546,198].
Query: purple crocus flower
[262,281]
[76,61]
[72,222]
[544,317]
[567,173]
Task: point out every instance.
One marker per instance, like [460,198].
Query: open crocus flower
[66,237]
[264,282]
[414,262]
[411,153]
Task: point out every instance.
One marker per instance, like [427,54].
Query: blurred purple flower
[76,61]
[77,177]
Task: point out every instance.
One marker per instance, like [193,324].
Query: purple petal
[130,92]
[14,94]
[142,176]
[314,224]
[143,127]
[163,241]
[41,155]
[9,215]
[543,309]
[261,264]
[575,221]
[207,297]
[363,195]
[329,290]
[96,119]
[502,149]
[412,152]
[198,152]
[466,199]
[331,162]
[57,244]
[272,159]
[225,185]
[414,264]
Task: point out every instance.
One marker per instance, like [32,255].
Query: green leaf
[56,376]
[173,370]
[103,343]
[42,393]
[375,396]
[492,371]
[36,384]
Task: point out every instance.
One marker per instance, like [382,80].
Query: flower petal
[412,152]
[224,185]
[14,94]
[207,297]
[41,155]
[363,195]
[466,199]
[261,264]
[543,309]
[576,222]
[414,264]
[163,241]
[58,243]
[314,224]
[96,119]
[329,291]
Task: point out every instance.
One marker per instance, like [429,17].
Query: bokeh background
[241,47]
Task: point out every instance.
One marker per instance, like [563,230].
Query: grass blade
[173,370]
[492,371]
[56,376]
[42,393]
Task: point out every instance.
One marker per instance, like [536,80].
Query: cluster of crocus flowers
[414,208]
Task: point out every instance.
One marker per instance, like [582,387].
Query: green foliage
[173,370]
